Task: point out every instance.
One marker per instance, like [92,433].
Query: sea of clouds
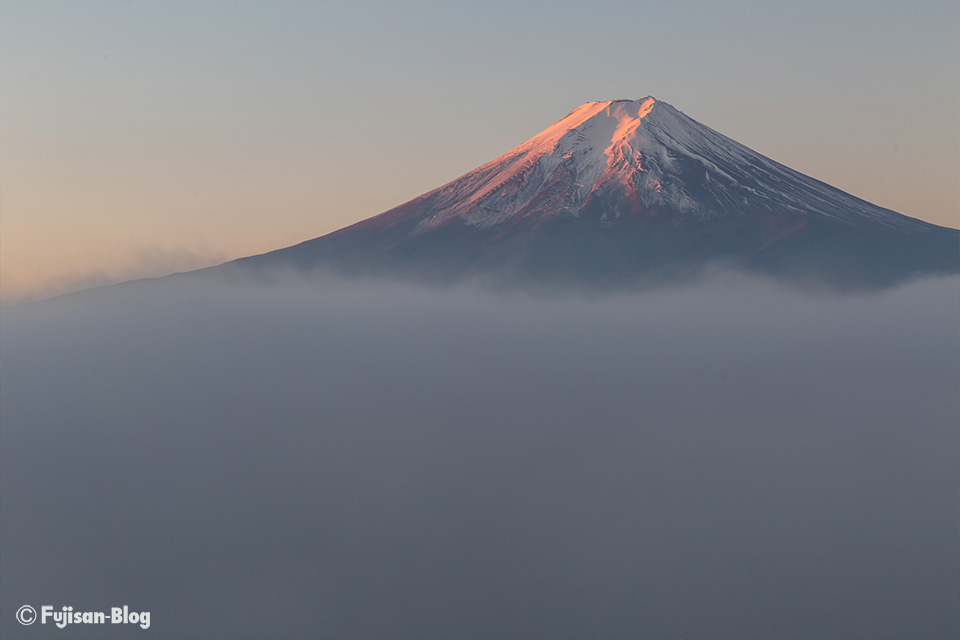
[314,458]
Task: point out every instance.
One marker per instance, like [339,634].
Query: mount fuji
[627,192]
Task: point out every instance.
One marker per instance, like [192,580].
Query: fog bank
[323,459]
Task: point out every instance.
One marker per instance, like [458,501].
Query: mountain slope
[633,191]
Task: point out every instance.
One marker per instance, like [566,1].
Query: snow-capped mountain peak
[624,157]
[623,191]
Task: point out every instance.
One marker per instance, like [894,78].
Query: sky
[142,138]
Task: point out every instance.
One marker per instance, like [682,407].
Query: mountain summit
[632,191]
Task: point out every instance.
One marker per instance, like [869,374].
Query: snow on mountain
[650,154]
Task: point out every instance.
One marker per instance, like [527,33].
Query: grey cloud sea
[321,459]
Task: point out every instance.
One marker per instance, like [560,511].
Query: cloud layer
[346,460]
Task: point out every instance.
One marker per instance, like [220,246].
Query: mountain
[626,192]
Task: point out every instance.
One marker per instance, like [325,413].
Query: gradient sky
[143,138]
